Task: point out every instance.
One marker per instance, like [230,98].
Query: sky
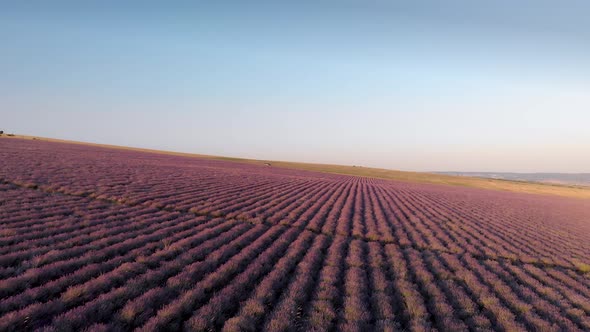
[413,85]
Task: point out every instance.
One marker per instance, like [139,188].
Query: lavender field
[103,239]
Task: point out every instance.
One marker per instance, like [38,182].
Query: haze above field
[459,86]
[582,179]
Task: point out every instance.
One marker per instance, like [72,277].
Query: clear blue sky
[413,85]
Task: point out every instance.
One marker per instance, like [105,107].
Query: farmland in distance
[118,240]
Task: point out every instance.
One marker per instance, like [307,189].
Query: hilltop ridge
[564,190]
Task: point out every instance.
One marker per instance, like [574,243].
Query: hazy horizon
[425,86]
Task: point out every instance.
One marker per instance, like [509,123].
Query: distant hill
[468,180]
[580,179]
